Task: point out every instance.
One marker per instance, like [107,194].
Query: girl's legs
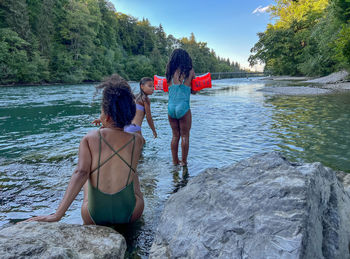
[185,125]
[84,208]
[175,127]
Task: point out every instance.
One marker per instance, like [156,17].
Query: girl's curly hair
[178,59]
[118,101]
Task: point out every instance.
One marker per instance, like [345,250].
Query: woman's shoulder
[90,139]
[92,134]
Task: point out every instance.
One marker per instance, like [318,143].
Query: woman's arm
[149,118]
[78,179]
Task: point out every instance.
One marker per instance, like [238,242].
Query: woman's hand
[48,218]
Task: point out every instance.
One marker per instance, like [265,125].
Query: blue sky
[228,26]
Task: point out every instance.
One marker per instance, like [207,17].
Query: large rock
[60,240]
[262,207]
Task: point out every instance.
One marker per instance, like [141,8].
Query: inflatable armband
[160,83]
[200,82]
[197,84]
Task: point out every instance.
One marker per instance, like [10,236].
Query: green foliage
[17,65]
[342,10]
[279,49]
[72,41]
[308,38]
[319,55]
[342,44]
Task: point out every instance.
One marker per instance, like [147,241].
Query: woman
[107,164]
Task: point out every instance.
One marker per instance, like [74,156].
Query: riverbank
[263,206]
[42,128]
[49,84]
[335,82]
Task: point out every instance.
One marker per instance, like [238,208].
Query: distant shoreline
[47,84]
[335,82]
[55,84]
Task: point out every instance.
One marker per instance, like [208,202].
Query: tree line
[308,37]
[72,41]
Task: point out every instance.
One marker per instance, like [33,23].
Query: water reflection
[313,128]
[180,181]
[131,232]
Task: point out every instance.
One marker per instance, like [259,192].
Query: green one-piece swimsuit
[117,208]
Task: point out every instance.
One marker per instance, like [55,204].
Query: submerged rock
[60,240]
[295,90]
[262,207]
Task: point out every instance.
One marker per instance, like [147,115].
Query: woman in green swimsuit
[107,164]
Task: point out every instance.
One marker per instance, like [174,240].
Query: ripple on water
[232,121]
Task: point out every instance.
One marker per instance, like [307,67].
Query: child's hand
[97,122]
[155,134]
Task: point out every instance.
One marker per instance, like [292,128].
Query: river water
[41,128]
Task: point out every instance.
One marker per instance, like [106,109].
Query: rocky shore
[261,207]
[335,82]
[60,240]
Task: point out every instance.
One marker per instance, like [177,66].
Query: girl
[179,74]
[143,107]
[107,164]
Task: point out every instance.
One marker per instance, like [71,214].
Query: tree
[290,46]
[73,41]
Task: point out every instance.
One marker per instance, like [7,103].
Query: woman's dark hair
[178,59]
[118,101]
[142,96]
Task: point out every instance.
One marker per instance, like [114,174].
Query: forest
[306,37]
[73,41]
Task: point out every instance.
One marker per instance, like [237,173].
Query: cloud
[261,9]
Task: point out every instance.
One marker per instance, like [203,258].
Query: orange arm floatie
[197,84]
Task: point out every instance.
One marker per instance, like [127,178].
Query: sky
[229,27]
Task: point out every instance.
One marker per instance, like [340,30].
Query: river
[41,127]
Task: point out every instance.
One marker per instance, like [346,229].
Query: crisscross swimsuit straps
[116,208]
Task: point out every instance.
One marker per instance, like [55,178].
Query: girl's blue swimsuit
[179,100]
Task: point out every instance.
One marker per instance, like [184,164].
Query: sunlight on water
[41,128]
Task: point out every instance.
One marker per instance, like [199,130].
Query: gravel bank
[335,82]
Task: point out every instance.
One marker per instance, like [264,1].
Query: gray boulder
[262,207]
[60,240]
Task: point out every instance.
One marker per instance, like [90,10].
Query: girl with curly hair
[179,74]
